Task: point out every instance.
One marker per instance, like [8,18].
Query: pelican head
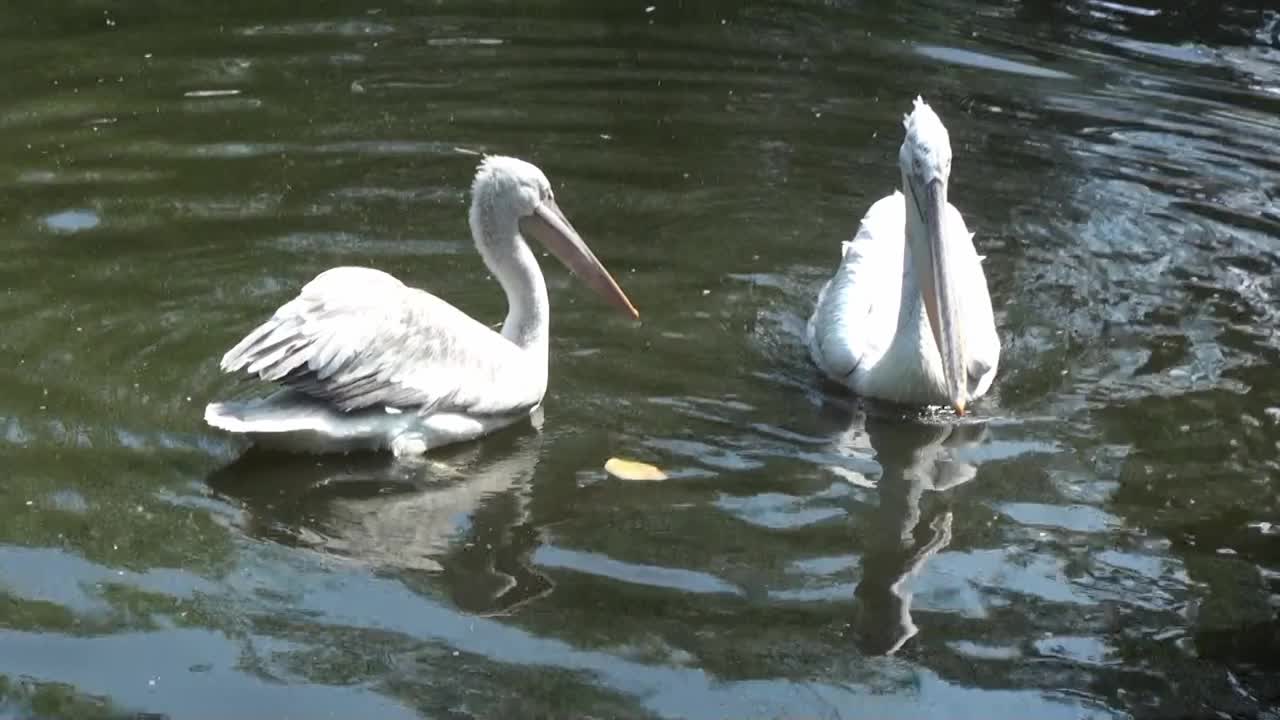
[511,192]
[925,160]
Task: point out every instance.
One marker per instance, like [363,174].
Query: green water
[1102,540]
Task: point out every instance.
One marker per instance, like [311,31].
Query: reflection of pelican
[369,363]
[914,458]
[454,516]
[907,317]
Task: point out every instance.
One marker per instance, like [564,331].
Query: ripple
[600,565]
[777,511]
[347,28]
[987,575]
[1086,650]
[456,41]
[52,576]
[972,58]
[72,221]
[985,652]
[226,150]
[88,177]
[718,457]
[228,92]
[823,565]
[165,683]
[1074,518]
[221,103]
[342,243]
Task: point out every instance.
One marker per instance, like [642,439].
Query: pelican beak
[551,228]
[941,295]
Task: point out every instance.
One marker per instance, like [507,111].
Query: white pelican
[907,317]
[368,363]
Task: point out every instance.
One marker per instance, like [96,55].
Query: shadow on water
[906,530]
[460,515]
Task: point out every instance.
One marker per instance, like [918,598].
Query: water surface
[1102,539]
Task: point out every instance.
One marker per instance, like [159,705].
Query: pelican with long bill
[368,363]
[907,317]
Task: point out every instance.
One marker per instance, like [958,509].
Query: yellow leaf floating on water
[632,470]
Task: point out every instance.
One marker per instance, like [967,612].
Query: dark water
[1102,540]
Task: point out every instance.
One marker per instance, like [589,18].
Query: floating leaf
[632,470]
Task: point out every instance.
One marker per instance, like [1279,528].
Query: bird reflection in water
[916,456]
[460,517]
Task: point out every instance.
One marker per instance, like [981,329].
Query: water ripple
[1094,541]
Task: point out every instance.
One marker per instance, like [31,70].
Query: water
[1102,540]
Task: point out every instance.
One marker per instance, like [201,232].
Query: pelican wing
[360,338]
[857,310]
[856,316]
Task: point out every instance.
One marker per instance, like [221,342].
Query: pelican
[369,363]
[907,317]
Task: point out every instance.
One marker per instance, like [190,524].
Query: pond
[1100,539]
